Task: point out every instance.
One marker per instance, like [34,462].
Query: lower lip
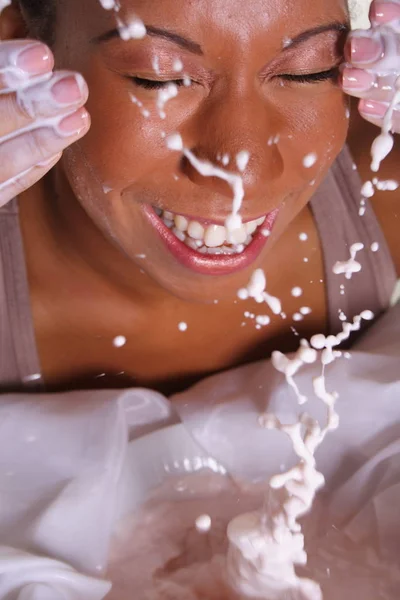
[211,264]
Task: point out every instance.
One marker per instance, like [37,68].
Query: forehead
[237,18]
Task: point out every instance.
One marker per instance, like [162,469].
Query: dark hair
[40,16]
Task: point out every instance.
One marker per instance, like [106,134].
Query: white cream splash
[207,169]
[350,266]
[256,289]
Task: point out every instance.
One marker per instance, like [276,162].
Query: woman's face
[246,61]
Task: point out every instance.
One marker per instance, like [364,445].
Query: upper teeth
[196,235]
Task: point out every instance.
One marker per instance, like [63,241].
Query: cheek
[319,124]
[122,146]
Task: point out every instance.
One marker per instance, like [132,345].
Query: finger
[362,83]
[374,112]
[384,12]
[373,49]
[13,188]
[18,154]
[23,61]
[63,92]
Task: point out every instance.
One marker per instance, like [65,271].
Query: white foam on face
[177,65]
[164,95]
[309,160]
[207,169]
[242,159]
[225,159]
[350,266]
[133,29]
[156,65]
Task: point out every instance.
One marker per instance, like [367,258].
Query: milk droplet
[203,523]
[182,326]
[242,159]
[177,65]
[119,341]
[296,292]
[174,142]
[303,237]
[309,160]
[367,189]
[374,247]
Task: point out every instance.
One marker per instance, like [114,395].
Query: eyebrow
[195,48]
[309,33]
[170,36]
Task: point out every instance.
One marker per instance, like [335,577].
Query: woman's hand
[373,63]
[41,113]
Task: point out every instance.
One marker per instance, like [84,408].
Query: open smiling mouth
[208,247]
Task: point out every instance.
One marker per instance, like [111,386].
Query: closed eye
[153,84]
[312,77]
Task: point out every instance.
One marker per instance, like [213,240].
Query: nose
[222,130]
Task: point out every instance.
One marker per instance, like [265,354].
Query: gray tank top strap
[19,361]
[335,207]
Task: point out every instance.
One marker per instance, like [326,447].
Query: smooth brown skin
[87,286]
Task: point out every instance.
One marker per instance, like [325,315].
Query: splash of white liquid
[385,185]
[207,169]
[367,189]
[134,29]
[256,289]
[327,343]
[290,366]
[383,144]
[164,95]
[350,266]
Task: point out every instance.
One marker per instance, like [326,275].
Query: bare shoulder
[386,204]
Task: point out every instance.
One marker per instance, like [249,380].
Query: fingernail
[69,89]
[35,59]
[357,79]
[384,12]
[365,49]
[375,109]
[75,123]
